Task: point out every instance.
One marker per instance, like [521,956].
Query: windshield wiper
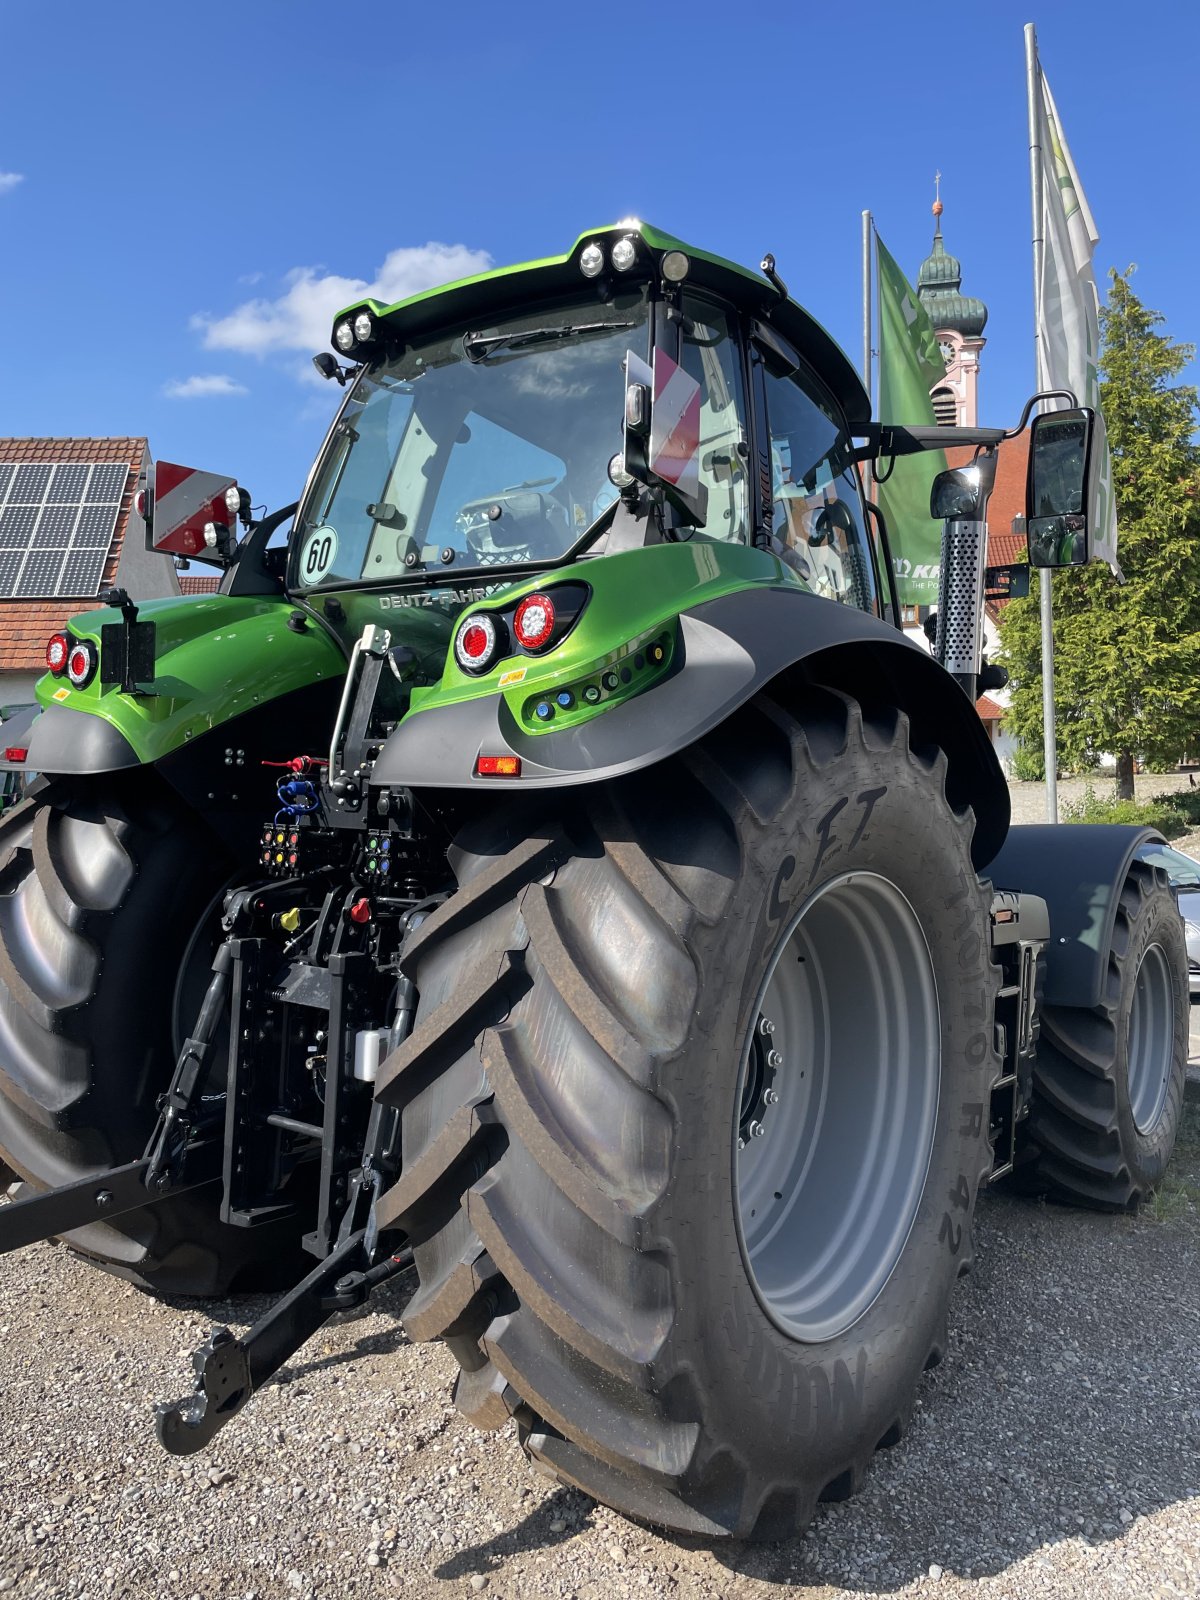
[478,346]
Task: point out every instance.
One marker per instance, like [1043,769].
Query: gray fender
[1078,870]
[60,740]
[731,648]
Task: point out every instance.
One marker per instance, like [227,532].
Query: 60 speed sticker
[317,554]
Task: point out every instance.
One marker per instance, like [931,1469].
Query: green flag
[910,363]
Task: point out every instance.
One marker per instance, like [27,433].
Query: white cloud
[300,318]
[202,386]
[10,180]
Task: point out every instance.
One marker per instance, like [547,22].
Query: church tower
[958,322]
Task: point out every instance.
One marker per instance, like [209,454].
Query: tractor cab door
[817,514]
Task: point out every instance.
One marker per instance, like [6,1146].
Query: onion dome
[938,285]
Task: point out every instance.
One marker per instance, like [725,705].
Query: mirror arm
[248,572]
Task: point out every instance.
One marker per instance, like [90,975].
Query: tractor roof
[483,294]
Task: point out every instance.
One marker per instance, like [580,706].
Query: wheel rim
[836,1106]
[1151,1044]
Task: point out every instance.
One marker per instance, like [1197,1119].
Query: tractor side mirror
[1058,488]
[961,493]
[662,433]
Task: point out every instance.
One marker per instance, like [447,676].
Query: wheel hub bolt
[771,1098]
[766,1026]
[741,1144]
[774,1059]
[757,1130]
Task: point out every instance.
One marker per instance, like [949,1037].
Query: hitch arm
[229,1370]
[98,1199]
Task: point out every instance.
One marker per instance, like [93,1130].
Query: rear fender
[218,659]
[1078,870]
[728,649]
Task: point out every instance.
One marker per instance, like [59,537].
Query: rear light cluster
[77,659]
[540,622]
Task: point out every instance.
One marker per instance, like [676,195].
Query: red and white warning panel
[674,453]
[182,501]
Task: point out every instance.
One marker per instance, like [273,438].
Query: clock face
[946,346]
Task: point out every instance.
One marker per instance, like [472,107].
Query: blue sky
[178,185]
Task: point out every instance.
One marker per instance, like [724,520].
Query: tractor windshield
[488,447]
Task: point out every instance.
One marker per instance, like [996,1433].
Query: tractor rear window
[488,447]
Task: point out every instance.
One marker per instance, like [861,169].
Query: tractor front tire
[1108,1080]
[694,1115]
[109,892]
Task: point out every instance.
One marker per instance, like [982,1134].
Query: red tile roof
[199,585]
[25,625]
[989,710]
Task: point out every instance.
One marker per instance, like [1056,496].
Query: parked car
[1184,875]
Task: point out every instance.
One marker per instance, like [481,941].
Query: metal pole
[866,277]
[1033,93]
[869,472]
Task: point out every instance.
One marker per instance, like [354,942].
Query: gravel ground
[1056,1452]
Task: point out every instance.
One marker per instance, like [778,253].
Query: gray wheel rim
[836,1106]
[1150,1047]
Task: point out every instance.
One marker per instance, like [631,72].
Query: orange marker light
[498,766]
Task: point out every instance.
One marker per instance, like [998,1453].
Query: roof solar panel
[10,565]
[29,485]
[68,483]
[108,483]
[55,526]
[82,571]
[16,526]
[57,521]
[40,575]
[95,527]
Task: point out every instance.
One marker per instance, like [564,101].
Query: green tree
[1127,654]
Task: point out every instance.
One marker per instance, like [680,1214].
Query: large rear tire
[587,1056]
[1108,1080]
[109,894]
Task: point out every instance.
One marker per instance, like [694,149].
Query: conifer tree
[1127,653]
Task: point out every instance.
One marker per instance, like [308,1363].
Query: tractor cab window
[479,447]
[818,511]
[710,355]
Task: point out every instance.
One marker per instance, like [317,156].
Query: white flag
[1069,308]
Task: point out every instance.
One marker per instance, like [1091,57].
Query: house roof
[25,625]
[199,585]
[988,710]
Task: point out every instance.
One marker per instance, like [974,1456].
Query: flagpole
[866,280]
[1049,738]
[866,368]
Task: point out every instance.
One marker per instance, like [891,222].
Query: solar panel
[56,526]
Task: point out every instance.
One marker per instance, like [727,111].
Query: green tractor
[554,877]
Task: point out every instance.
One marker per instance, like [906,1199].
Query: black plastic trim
[74,742]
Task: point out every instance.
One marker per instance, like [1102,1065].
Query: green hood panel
[216,657]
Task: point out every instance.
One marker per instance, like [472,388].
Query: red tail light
[534,621]
[15,752]
[81,663]
[477,643]
[498,766]
[58,648]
